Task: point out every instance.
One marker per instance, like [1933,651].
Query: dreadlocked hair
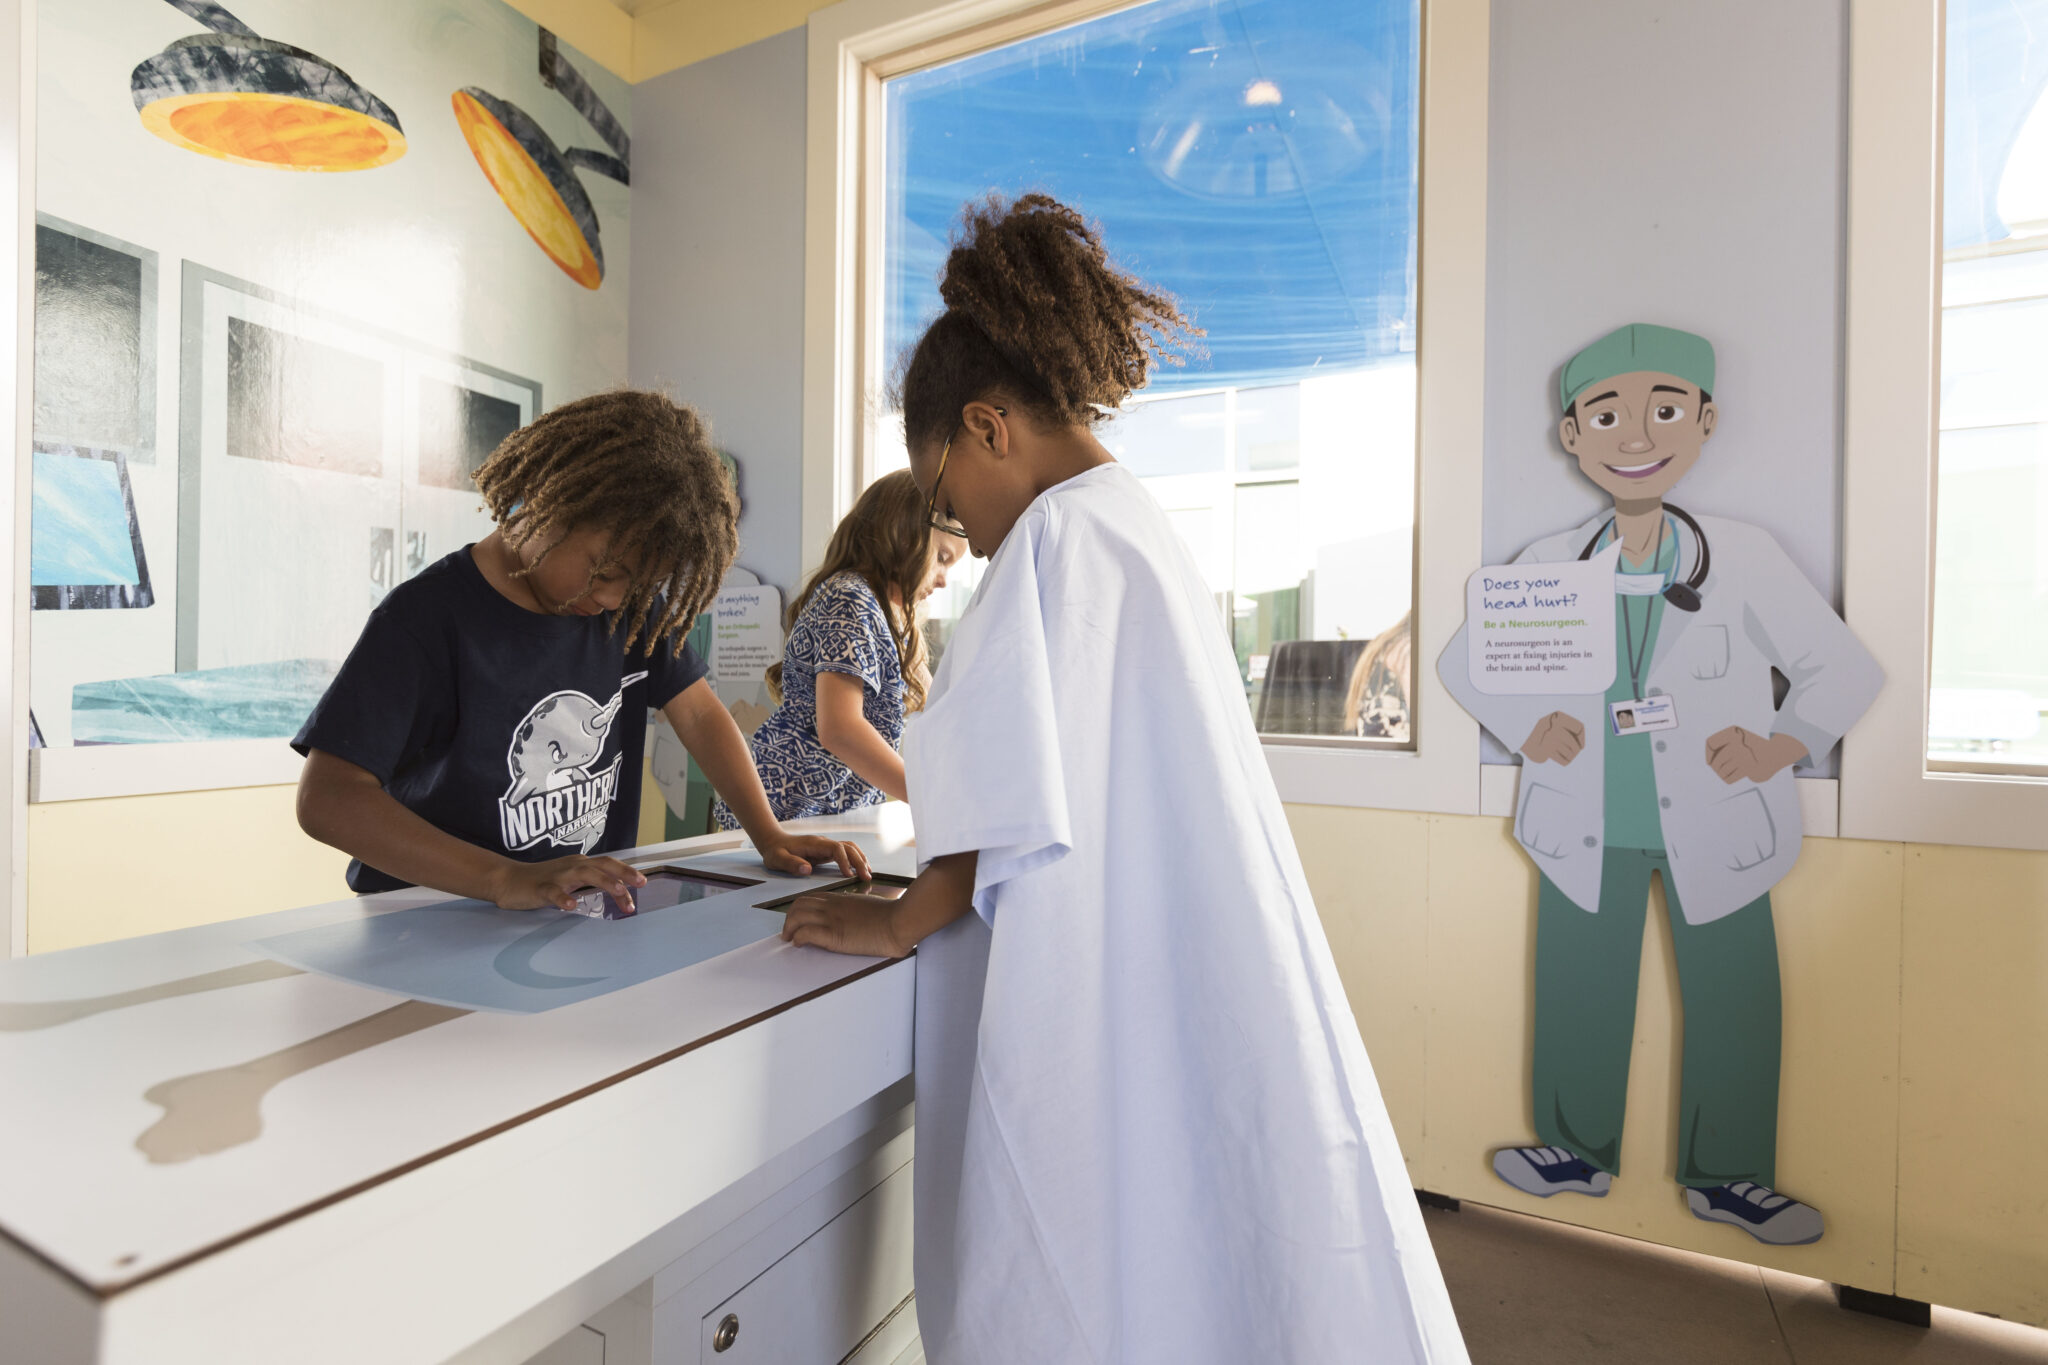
[886,540]
[1035,311]
[641,466]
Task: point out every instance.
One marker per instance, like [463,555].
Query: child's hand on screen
[529,886]
[803,853]
[861,926]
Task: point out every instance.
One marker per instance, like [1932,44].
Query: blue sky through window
[1257,158]
[1997,60]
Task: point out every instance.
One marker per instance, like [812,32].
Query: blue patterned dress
[842,629]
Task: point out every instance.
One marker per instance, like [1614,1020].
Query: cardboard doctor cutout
[1630,661]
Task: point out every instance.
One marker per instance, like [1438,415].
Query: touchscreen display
[887,891]
[882,888]
[666,888]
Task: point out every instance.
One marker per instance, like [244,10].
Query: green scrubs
[1631,782]
[1587,967]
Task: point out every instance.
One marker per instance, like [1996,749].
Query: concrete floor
[1531,1292]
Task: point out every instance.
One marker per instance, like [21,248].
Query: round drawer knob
[728,1332]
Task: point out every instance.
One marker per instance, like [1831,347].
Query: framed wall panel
[320,452]
[289,482]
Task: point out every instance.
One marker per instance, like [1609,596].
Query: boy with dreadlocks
[1147,1131]
[484,735]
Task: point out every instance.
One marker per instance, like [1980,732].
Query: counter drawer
[820,1302]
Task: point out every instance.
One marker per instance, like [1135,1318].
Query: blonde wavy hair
[1385,659]
[886,540]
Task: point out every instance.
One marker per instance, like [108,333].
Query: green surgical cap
[1638,346]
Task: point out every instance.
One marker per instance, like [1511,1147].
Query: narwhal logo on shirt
[558,793]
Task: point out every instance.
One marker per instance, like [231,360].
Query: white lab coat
[1728,845]
[1147,1128]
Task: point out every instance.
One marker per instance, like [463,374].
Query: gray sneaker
[1759,1210]
[1544,1171]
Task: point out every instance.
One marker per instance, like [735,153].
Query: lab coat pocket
[1553,824]
[1742,831]
[1707,652]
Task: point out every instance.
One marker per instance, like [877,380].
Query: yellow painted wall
[1912,1107]
[597,28]
[100,870]
[659,37]
[666,36]
[129,865]
[1973,1059]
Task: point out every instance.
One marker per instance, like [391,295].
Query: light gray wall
[1681,163]
[717,316]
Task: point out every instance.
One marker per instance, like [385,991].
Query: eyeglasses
[931,506]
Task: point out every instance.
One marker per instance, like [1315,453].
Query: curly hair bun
[1035,308]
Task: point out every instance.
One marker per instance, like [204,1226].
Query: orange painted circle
[526,190]
[282,132]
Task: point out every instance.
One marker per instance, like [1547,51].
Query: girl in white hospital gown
[1147,1130]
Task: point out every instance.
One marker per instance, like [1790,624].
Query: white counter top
[183,1112]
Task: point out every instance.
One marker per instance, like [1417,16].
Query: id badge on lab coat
[1639,717]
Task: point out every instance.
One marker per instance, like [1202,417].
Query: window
[1258,159]
[1988,684]
[1941,496]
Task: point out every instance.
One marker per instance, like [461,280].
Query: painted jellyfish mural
[535,178]
[233,94]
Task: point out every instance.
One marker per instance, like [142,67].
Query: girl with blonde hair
[855,664]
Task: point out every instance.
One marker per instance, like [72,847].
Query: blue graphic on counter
[515,961]
[246,701]
[85,548]
[471,955]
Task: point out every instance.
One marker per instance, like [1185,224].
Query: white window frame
[17,413]
[1890,418]
[853,44]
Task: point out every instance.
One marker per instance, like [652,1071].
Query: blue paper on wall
[471,955]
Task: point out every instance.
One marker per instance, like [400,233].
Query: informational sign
[739,636]
[746,636]
[1543,627]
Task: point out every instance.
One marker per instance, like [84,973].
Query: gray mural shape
[95,376]
[233,59]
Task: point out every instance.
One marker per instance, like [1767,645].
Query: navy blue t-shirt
[518,732]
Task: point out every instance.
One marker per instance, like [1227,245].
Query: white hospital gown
[1147,1128]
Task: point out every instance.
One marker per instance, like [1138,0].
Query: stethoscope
[1685,596]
